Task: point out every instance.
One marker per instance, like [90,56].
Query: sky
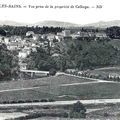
[109,11]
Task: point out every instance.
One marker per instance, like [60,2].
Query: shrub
[36,101]
[5,102]
[52,71]
[43,100]
[13,102]
[51,100]
[106,114]
[21,101]
[28,101]
[78,110]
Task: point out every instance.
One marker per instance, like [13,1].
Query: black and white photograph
[59,60]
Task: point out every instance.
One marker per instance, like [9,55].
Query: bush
[78,110]
[5,102]
[12,102]
[52,71]
[51,100]
[106,114]
[77,107]
[43,100]
[28,101]
[36,101]
[21,101]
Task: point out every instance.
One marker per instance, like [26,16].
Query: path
[60,103]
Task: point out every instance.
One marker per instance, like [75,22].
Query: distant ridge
[55,24]
[41,24]
[11,23]
[101,24]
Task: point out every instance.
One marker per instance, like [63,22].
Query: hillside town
[31,41]
[44,72]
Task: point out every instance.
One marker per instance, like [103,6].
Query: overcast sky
[110,11]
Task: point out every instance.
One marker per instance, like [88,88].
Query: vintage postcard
[59,60]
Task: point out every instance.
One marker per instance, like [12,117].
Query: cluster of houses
[90,74]
[79,34]
[25,45]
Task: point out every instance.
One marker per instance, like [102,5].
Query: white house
[101,35]
[6,40]
[114,75]
[29,33]
[22,54]
[12,46]
[23,66]
[59,38]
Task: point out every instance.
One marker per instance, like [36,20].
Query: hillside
[103,24]
[41,24]
[54,24]
[49,23]
[11,23]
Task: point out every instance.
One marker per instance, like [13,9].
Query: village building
[12,46]
[66,33]
[114,75]
[23,66]
[101,35]
[59,38]
[36,37]
[29,33]
[22,54]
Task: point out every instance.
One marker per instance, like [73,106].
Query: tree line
[21,30]
[112,32]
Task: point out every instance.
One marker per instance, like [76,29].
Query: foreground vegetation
[94,112]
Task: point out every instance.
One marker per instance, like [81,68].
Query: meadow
[51,88]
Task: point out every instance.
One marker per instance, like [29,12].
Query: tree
[63,60]
[3,32]
[40,60]
[113,32]
[8,64]
[97,55]
[78,110]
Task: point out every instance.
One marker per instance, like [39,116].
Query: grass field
[109,69]
[55,80]
[36,89]
[49,88]
[92,91]
[86,91]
